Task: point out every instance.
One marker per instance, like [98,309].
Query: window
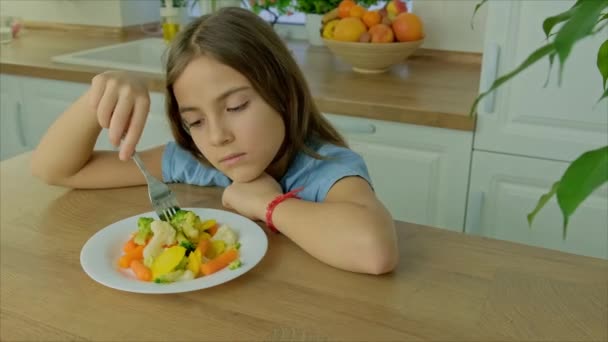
[297,18]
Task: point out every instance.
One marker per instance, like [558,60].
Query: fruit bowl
[372,58]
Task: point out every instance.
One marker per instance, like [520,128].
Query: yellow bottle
[170,20]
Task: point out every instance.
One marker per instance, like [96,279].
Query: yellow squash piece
[206,224]
[217,247]
[194,262]
[167,261]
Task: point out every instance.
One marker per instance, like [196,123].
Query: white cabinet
[504,189]
[553,122]
[43,102]
[12,140]
[527,134]
[31,105]
[420,173]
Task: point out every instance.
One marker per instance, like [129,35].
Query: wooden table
[448,286]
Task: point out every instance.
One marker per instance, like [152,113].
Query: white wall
[113,13]
[135,12]
[447,24]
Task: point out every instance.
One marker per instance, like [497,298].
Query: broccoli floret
[186,222]
[189,246]
[235,264]
[143,230]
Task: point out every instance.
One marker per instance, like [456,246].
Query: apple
[394,8]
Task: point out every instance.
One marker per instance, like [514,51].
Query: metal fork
[162,198]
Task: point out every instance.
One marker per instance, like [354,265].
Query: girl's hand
[250,199]
[121,103]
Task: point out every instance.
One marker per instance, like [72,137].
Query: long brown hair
[243,41]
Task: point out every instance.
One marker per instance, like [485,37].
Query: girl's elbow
[382,262]
[383,256]
[42,173]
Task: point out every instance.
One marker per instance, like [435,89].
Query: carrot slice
[212,230]
[135,254]
[219,262]
[203,246]
[129,246]
[141,271]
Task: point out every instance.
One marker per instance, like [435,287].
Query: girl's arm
[350,230]
[65,154]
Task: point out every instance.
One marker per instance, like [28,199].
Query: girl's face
[230,123]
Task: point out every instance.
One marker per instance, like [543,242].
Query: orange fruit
[357,11]
[349,30]
[408,27]
[371,18]
[344,8]
[381,34]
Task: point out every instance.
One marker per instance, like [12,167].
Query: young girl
[243,118]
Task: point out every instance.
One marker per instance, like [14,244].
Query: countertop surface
[432,88]
[447,287]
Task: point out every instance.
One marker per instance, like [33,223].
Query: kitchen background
[482,181]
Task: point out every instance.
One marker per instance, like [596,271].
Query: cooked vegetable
[141,271]
[164,234]
[129,246]
[189,246]
[217,247]
[168,260]
[186,222]
[219,262]
[235,264]
[194,262]
[179,250]
[144,230]
[224,233]
[135,254]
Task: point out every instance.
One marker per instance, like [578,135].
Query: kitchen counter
[433,88]
[447,286]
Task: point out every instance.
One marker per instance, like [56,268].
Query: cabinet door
[504,189]
[12,141]
[419,173]
[553,122]
[43,102]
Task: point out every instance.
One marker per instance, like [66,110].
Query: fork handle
[142,167]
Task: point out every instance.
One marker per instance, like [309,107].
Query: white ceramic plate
[100,254]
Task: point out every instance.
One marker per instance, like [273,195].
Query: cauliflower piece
[225,234]
[164,234]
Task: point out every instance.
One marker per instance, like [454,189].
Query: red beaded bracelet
[274,203]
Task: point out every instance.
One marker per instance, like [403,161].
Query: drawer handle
[356,128]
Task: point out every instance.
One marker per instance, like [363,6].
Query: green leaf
[587,173]
[541,202]
[475,11]
[533,58]
[579,26]
[602,62]
[550,22]
[605,95]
